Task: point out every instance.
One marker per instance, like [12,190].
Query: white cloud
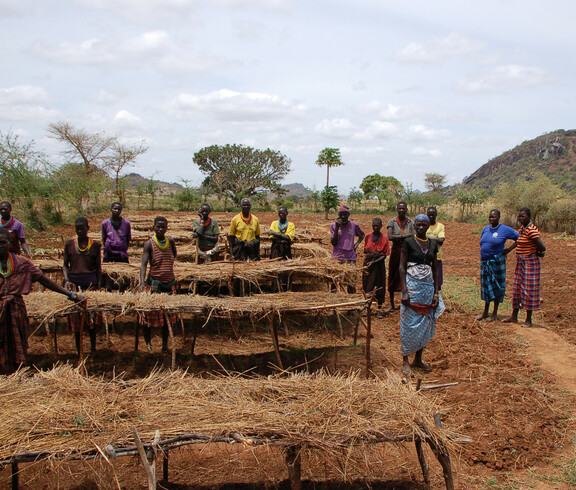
[235,106]
[503,78]
[439,49]
[418,132]
[377,130]
[335,128]
[423,152]
[25,103]
[127,120]
[104,97]
[22,94]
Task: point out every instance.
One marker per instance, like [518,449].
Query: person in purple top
[15,228]
[116,235]
[343,232]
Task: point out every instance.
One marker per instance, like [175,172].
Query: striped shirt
[162,263]
[528,234]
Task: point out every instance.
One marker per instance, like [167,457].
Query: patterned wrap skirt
[14,327]
[418,321]
[493,278]
[526,290]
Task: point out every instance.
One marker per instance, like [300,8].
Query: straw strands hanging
[68,414]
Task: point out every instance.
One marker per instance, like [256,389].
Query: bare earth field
[515,395]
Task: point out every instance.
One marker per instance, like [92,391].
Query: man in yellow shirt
[244,234]
[282,232]
[436,232]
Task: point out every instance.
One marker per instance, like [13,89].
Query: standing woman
[493,263]
[526,290]
[399,229]
[421,302]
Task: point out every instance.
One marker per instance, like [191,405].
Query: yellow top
[242,230]
[436,231]
[290,231]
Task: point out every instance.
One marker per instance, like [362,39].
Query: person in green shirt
[206,231]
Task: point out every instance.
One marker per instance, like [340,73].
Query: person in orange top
[376,249]
[526,289]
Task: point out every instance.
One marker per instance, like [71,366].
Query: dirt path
[556,356]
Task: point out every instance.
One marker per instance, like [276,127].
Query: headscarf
[422,217]
[344,208]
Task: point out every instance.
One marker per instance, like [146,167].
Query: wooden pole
[143,457]
[194,286]
[422,460]
[274,333]
[368,338]
[15,477]
[294,464]
[172,340]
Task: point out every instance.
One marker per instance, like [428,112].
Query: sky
[402,88]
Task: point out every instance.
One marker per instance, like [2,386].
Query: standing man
[244,234]
[282,232]
[82,272]
[160,253]
[116,235]
[15,228]
[436,232]
[206,232]
[399,228]
[343,232]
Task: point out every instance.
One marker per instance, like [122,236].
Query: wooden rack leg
[172,339]
[422,459]
[55,336]
[441,453]
[294,464]
[339,323]
[105,317]
[15,477]
[368,339]
[274,333]
[137,335]
[195,320]
[165,468]
[356,326]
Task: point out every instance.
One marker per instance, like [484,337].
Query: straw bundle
[46,304]
[222,273]
[66,413]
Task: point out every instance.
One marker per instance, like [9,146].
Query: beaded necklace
[246,220]
[282,228]
[6,271]
[205,225]
[86,248]
[5,224]
[162,245]
[424,250]
[403,224]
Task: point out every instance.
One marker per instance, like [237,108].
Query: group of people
[414,269]
[493,251]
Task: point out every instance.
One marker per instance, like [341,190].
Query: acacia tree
[93,155]
[330,157]
[434,182]
[238,171]
[120,157]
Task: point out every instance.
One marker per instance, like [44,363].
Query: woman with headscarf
[493,263]
[421,302]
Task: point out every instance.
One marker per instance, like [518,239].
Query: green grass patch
[463,291]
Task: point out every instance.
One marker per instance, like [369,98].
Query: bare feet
[482,316]
[390,309]
[406,369]
[527,324]
[420,365]
[492,318]
[510,319]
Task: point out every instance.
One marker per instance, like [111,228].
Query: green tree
[188,197]
[355,196]
[434,182]
[329,198]
[23,171]
[237,171]
[468,199]
[538,194]
[152,188]
[383,188]
[329,157]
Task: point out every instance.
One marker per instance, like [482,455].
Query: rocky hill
[553,154]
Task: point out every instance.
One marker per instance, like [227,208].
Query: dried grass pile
[47,304]
[64,412]
[223,273]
